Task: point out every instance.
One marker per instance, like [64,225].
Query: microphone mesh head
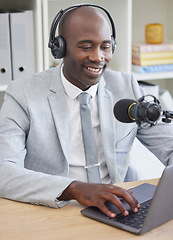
[153,112]
[121,110]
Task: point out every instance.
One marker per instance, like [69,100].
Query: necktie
[92,164]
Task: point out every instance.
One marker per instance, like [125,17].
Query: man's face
[88,51]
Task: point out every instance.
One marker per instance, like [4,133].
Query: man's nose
[96,55]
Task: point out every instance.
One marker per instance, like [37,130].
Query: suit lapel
[105,104]
[58,107]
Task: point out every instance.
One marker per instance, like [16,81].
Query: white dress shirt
[77,160]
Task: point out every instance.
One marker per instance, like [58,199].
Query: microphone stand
[168,116]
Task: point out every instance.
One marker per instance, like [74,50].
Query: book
[146,47]
[152,55]
[150,62]
[153,68]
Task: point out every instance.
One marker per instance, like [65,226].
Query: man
[42,157]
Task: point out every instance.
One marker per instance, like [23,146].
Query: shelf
[152,11]
[130,17]
[153,76]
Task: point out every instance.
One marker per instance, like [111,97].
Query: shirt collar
[72,91]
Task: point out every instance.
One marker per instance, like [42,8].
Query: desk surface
[20,221]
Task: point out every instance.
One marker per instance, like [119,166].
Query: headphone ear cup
[114,44]
[58,47]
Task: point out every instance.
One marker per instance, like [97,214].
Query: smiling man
[42,151]
[88,43]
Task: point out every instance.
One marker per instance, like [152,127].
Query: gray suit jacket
[34,136]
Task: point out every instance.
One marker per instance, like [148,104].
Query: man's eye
[85,47]
[105,47]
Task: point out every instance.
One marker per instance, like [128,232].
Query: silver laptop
[156,207]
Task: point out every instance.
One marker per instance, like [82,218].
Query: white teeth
[94,69]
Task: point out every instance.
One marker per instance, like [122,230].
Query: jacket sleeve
[17,182]
[159,138]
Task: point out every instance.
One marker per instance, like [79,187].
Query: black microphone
[141,111]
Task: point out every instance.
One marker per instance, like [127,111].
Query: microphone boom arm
[168,115]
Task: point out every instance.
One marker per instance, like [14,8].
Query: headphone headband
[57,44]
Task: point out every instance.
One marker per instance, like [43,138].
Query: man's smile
[93,71]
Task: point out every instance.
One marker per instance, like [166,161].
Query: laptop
[156,207]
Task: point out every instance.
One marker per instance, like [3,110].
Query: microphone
[141,111]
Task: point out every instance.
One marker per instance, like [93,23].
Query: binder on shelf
[5,51]
[22,43]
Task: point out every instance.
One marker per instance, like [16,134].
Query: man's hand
[92,194]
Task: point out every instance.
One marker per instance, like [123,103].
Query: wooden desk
[20,221]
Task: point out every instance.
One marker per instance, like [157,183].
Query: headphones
[57,43]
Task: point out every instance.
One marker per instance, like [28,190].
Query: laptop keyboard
[134,219]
